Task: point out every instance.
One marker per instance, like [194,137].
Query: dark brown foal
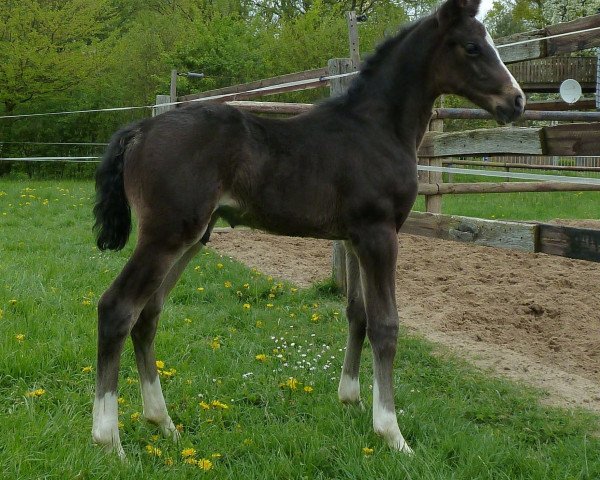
[346,170]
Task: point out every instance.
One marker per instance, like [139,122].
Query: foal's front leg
[349,387]
[377,249]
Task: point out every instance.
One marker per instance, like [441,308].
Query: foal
[346,170]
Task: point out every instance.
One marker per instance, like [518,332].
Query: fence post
[337,87]
[433,203]
[160,99]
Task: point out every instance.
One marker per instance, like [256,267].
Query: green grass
[462,424]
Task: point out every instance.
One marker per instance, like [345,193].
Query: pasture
[249,369]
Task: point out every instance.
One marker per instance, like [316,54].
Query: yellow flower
[259,324]
[154,438]
[167,373]
[131,381]
[152,450]
[315,317]
[291,383]
[271,295]
[261,357]
[121,401]
[308,389]
[20,337]
[187,320]
[12,302]
[216,455]
[190,461]
[200,289]
[292,315]
[247,306]
[87,369]
[204,405]
[169,462]
[160,364]
[179,427]
[86,302]
[246,285]
[269,305]
[293,290]
[215,343]
[197,268]
[219,265]
[205,464]
[35,393]
[217,404]
[135,416]
[227,284]
[188,452]
[367,451]
[120,424]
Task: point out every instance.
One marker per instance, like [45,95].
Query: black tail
[112,211]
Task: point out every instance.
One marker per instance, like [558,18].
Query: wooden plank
[479,114]
[524,51]
[550,105]
[579,139]
[282,108]
[526,141]
[266,82]
[491,233]
[571,242]
[157,110]
[525,166]
[433,203]
[575,42]
[504,187]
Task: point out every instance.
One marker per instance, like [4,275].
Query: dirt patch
[530,317]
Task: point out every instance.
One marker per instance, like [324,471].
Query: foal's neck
[399,91]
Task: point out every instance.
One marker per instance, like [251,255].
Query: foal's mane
[380,56]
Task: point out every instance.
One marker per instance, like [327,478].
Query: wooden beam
[281,108]
[492,233]
[504,187]
[524,166]
[479,114]
[553,105]
[571,242]
[577,139]
[506,140]
[231,91]
[524,51]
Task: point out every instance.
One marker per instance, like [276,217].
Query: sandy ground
[530,317]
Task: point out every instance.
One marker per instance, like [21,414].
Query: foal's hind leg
[377,250]
[118,310]
[349,386]
[142,335]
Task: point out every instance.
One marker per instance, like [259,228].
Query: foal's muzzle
[512,109]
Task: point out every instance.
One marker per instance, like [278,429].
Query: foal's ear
[453,10]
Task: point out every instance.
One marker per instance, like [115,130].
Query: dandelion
[293,290]
[292,383]
[247,442]
[135,416]
[154,438]
[247,306]
[190,461]
[167,373]
[160,364]
[197,268]
[188,452]
[269,305]
[131,381]
[261,357]
[87,369]
[204,406]
[121,401]
[259,324]
[246,285]
[187,320]
[154,451]
[20,337]
[205,464]
[219,265]
[120,424]
[216,455]
[315,317]
[200,289]
[86,302]
[308,389]
[271,295]
[35,393]
[367,451]
[12,302]
[219,405]
[215,344]
[292,315]
[179,427]
[169,462]
[227,284]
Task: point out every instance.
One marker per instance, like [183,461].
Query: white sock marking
[105,428]
[349,389]
[385,424]
[155,408]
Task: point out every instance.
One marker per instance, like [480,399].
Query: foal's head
[468,64]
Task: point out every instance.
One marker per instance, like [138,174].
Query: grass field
[250,375]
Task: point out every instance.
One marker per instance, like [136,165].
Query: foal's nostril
[519,102]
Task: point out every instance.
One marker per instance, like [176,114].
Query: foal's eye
[472,49]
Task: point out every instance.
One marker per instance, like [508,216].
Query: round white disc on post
[570,90]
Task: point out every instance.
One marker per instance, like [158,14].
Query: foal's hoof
[401,446]
[169,430]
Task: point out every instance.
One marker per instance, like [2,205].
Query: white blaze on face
[514,83]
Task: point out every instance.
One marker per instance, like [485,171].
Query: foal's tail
[112,211]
